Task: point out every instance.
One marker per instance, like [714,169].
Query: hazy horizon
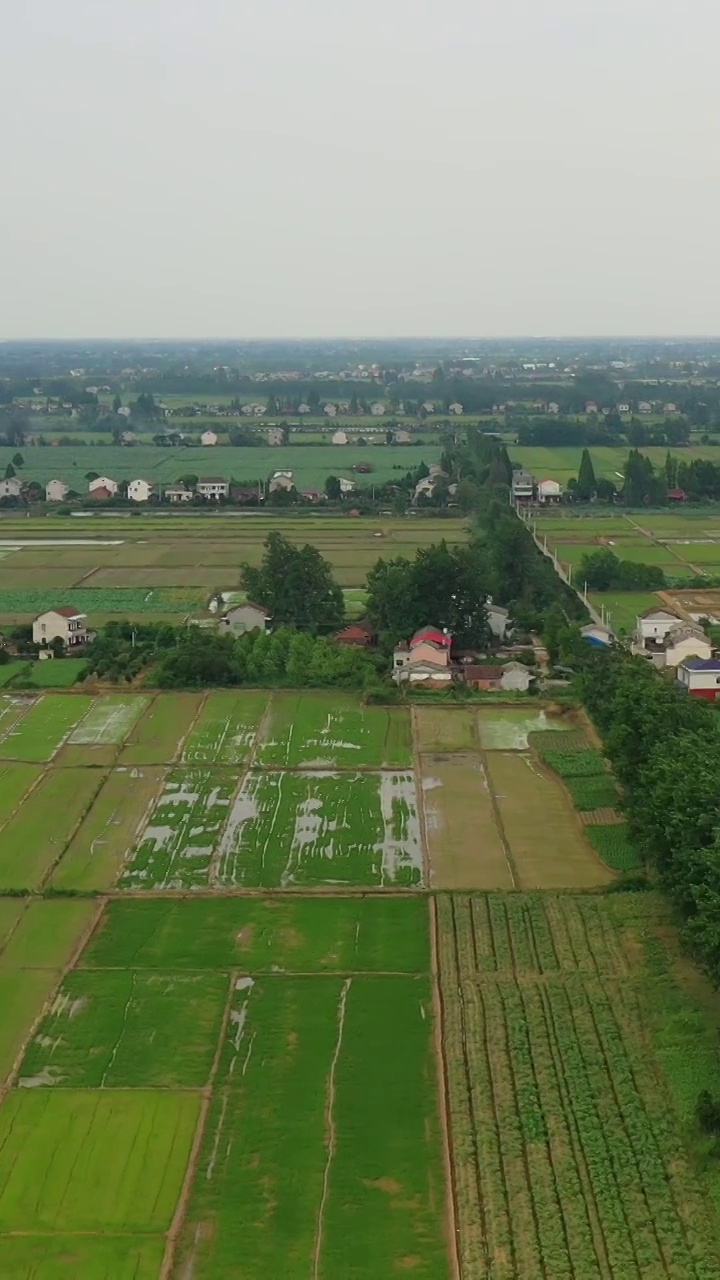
[219,171]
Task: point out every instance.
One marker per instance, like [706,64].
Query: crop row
[574,764]
[596,792]
[532,934]
[564,740]
[612,842]
[556,1111]
[121,600]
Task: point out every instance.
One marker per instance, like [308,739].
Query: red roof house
[431,635]
[358,634]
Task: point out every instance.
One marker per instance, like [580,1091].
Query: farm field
[236,1060]
[563,462]
[225,730]
[486,798]
[312,464]
[684,544]
[623,607]
[257,790]
[281,1008]
[170,565]
[36,942]
[321,730]
[309,828]
[34,729]
[573,1025]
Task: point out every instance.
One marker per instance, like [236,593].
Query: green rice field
[287,1025]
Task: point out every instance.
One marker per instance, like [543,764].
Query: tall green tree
[442,587]
[586,483]
[296,585]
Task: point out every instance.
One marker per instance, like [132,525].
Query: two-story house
[103,482]
[425,659]
[64,623]
[523,485]
[666,639]
[139,490]
[213,487]
[56,491]
[177,493]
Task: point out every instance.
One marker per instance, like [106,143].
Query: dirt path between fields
[330,1128]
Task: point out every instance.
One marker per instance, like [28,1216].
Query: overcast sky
[392,167]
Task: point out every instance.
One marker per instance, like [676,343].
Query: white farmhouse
[455,408]
[346,486]
[377,409]
[178,493]
[654,624]
[56,491]
[208,438]
[549,491]
[339,437]
[11,488]
[686,641]
[281,480]
[213,487]
[139,490]
[103,482]
[65,623]
[330,410]
[667,640]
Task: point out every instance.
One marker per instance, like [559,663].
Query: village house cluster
[211,488]
[673,644]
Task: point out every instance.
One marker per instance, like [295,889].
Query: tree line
[664,747]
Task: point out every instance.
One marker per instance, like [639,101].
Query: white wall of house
[56,491]
[656,625]
[689,647]
[245,617]
[103,482]
[208,438]
[53,626]
[213,488]
[139,490]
